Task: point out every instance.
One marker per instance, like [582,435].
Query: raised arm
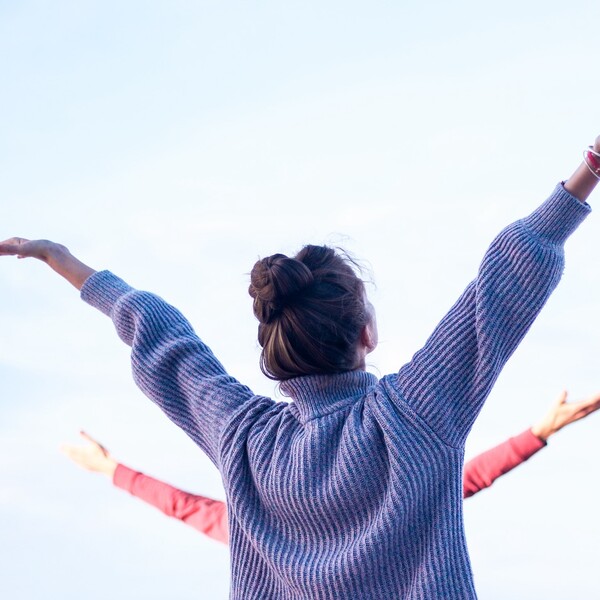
[170,363]
[204,514]
[448,380]
[481,471]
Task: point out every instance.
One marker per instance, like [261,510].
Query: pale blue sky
[175,142]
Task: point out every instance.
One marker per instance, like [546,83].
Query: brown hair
[311,311]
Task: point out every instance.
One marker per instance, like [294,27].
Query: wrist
[52,254]
[542,431]
[56,254]
[109,468]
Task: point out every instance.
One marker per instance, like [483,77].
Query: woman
[209,516]
[353,489]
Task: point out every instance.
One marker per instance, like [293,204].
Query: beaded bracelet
[592,161]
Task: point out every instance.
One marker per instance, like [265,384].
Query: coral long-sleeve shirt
[480,472]
[210,516]
[204,514]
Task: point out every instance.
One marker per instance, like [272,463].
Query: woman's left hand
[93,457]
[563,413]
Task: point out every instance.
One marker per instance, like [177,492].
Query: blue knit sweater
[353,490]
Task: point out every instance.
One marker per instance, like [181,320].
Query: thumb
[562,398]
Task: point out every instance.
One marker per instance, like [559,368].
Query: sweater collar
[318,395]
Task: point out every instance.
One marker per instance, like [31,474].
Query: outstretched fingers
[562,399]
[12,246]
[587,406]
[92,441]
[92,456]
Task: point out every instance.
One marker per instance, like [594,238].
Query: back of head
[311,311]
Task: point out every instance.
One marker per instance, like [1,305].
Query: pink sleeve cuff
[123,477]
[527,443]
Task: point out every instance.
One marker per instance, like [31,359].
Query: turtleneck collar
[318,395]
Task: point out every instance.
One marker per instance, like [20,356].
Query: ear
[368,336]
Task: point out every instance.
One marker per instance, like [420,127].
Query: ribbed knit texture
[354,489]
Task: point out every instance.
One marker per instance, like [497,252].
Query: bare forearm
[582,183]
[65,264]
[109,468]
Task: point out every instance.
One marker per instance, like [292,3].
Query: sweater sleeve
[480,472]
[204,514]
[170,363]
[448,380]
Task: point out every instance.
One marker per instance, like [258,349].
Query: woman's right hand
[93,457]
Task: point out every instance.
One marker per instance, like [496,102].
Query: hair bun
[274,282]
